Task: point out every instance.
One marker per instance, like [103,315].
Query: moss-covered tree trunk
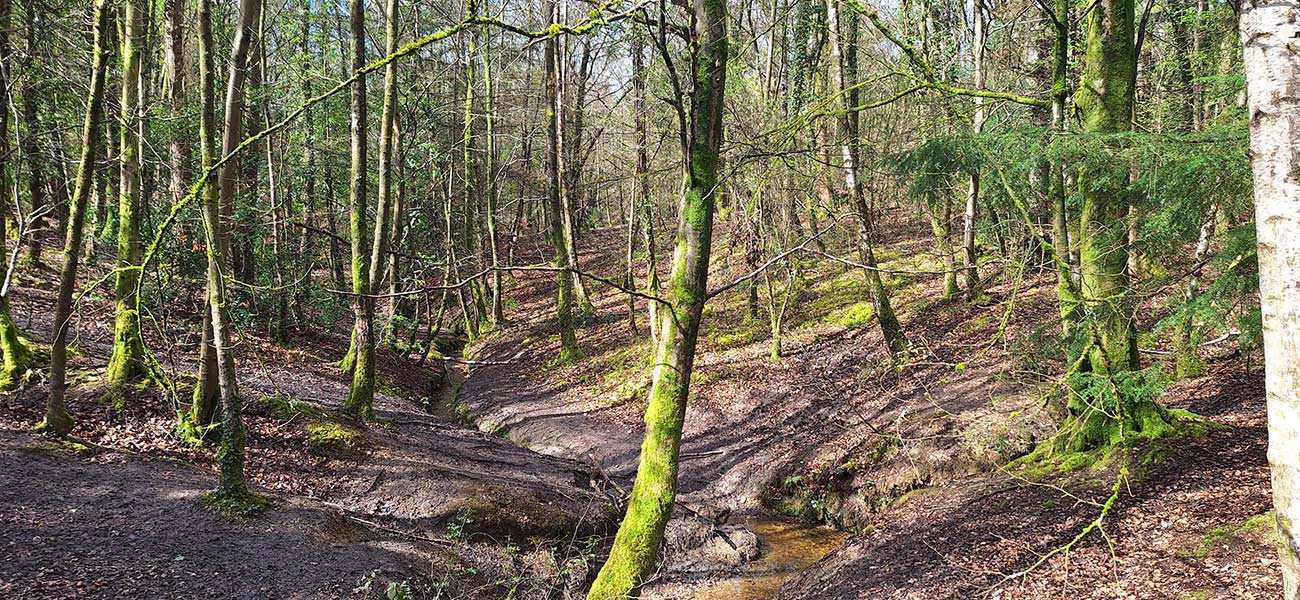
[174,63]
[1110,407]
[1105,103]
[15,353]
[844,66]
[127,363]
[1269,29]
[1067,292]
[232,492]
[939,207]
[361,396]
[569,350]
[206,392]
[384,211]
[471,189]
[636,545]
[569,167]
[493,189]
[57,420]
[32,91]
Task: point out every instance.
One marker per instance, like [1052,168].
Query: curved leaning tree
[637,543]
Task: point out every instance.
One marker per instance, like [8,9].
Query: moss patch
[328,438]
[856,316]
[1226,534]
[234,505]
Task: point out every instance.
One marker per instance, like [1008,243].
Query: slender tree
[231,495]
[650,505]
[980,23]
[208,393]
[32,90]
[644,202]
[127,363]
[57,420]
[569,350]
[15,352]
[361,396]
[844,71]
[387,140]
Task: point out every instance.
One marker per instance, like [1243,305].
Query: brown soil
[909,461]
[421,500]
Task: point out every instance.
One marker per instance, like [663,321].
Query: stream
[787,546]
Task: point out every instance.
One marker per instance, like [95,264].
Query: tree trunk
[489,169]
[569,167]
[361,396]
[174,60]
[555,220]
[384,210]
[1105,103]
[1268,31]
[37,201]
[1067,292]
[650,505]
[15,353]
[127,363]
[232,134]
[644,203]
[973,194]
[57,420]
[844,71]
[232,489]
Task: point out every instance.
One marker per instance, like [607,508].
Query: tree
[127,363]
[1105,103]
[384,212]
[361,396]
[636,545]
[555,210]
[1268,31]
[208,392]
[643,203]
[16,353]
[844,69]
[231,495]
[57,420]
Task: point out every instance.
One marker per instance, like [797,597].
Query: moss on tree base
[18,356]
[1106,416]
[235,504]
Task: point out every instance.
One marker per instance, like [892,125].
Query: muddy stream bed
[786,546]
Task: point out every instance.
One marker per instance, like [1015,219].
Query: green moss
[18,355]
[286,408]
[1226,534]
[855,316]
[194,435]
[240,504]
[334,439]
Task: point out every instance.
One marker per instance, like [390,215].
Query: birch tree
[1269,29]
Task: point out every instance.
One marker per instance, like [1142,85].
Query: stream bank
[709,551]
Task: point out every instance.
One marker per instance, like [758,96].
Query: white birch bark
[1270,34]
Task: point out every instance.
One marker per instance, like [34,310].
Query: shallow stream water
[788,547]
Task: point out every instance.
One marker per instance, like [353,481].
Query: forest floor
[908,466]
[911,463]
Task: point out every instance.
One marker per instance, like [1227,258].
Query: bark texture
[1269,30]
[641,532]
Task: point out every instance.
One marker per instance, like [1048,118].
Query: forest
[663,299]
